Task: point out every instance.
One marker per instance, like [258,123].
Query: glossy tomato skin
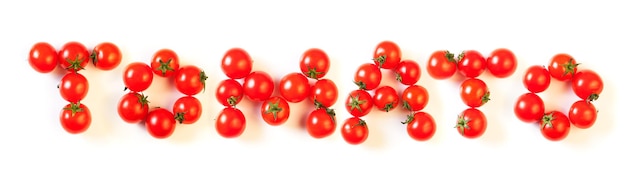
[190,80]
[236,63]
[73,56]
[386,98]
[229,92]
[414,98]
[133,107]
[421,126]
[529,108]
[537,79]
[258,86]
[165,63]
[441,65]
[408,72]
[106,56]
[43,57]
[354,131]
[562,67]
[368,76]
[73,87]
[314,63]
[474,92]
[387,55]
[472,123]
[583,114]
[502,63]
[555,126]
[189,107]
[160,123]
[320,123]
[587,85]
[75,118]
[472,64]
[294,87]
[230,123]
[275,111]
[138,76]
[324,92]
[359,103]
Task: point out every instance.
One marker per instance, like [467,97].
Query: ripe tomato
[133,107]
[420,126]
[583,114]
[359,103]
[387,55]
[441,65]
[275,111]
[386,98]
[160,123]
[43,57]
[258,86]
[555,126]
[137,76]
[106,56]
[529,108]
[368,76]
[471,63]
[236,63]
[230,123]
[537,79]
[474,92]
[321,123]
[414,98]
[73,87]
[587,85]
[408,72]
[190,80]
[324,92]
[73,56]
[563,67]
[229,92]
[314,63]
[501,63]
[187,109]
[354,131]
[471,123]
[75,118]
[294,87]
[165,63]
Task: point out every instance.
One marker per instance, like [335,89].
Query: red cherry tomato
[474,92]
[275,111]
[73,87]
[368,76]
[387,55]
[230,123]
[359,103]
[472,123]
[43,57]
[414,98]
[408,72]
[324,92]
[583,114]
[258,86]
[73,56]
[106,56]
[236,63]
[537,79]
[587,85]
[501,63]
[555,126]
[165,63]
[137,76]
[160,123]
[190,80]
[441,65]
[471,64]
[420,126]
[529,108]
[563,67]
[133,107]
[187,109]
[354,131]
[314,63]
[229,92]
[321,123]
[294,87]
[386,98]
[75,118]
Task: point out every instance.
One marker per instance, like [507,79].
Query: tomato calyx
[74,64]
[485,98]
[180,117]
[360,123]
[547,120]
[143,100]
[165,66]
[406,105]
[569,67]
[331,113]
[461,55]
[462,124]
[74,107]
[389,106]
[450,56]
[312,72]
[593,97]
[274,109]
[232,101]
[94,57]
[203,78]
[355,103]
[318,105]
[398,77]
[409,119]
[360,84]
[381,60]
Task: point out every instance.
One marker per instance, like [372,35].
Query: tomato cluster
[236,65]
[554,124]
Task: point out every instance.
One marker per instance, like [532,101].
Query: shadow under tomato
[252,112]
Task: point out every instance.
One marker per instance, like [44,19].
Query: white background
[275,34]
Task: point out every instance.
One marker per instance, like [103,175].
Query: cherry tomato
[501,63]
[386,98]
[73,56]
[587,85]
[408,72]
[294,87]
[471,63]
[73,87]
[420,126]
[583,114]
[563,67]
[75,118]
[229,92]
[258,86]
[106,56]
[236,63]
[354,131]
[165,63]
[555,126]
[187,109]
[275,111]
[324,92]
[190,80]
[314,63]
[133,107]
[414,98]
[529,108]
[321,123]
[230,123]
[441,65]
[537,79]
[368,76]
[160,123]
[137,76]
[43,57]
[471,123]
[359,103]
[387,55]
[474,92]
